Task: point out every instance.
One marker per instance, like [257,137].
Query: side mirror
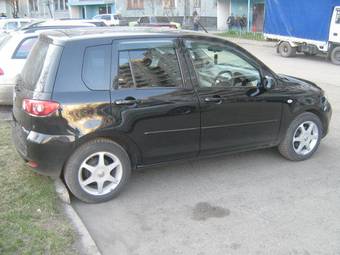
[269,82]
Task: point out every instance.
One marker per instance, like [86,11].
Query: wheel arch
[121,139]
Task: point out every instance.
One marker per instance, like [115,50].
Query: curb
[89,246]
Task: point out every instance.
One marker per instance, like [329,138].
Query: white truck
[305,26]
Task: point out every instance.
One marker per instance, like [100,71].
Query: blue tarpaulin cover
[307,19]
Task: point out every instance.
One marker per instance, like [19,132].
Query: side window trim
[126,45]
[19,46]
[193,71]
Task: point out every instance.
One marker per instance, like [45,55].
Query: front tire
[286,50]
[302,138]
[97,171]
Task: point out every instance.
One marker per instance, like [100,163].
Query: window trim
[233,51]
[19,45]
[127,45]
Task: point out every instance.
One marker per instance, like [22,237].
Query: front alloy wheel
[302,138]
[305,138]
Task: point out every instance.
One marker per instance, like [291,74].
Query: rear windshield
[40,67]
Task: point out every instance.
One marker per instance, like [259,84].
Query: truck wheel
[286,50]
[97,171]
[302,138]
[335,56]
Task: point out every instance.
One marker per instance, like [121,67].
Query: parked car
[155,21]
[14,49]
[112,19]
[55,24]
[7,25]
[90,106]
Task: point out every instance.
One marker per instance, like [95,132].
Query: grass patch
[30,220]
[243,35]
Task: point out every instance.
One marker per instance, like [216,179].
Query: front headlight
[324,103]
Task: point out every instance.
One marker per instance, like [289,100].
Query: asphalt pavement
[247,203]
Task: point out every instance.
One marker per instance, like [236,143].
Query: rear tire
[286,50]
[299,143]
[335,56]
[97,171]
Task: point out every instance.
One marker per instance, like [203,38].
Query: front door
[152,102]
[236,112]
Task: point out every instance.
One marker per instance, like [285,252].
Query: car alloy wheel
[100,173]
[305,138]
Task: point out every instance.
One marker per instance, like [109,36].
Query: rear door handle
[126,101]
[335,34]
[214,99]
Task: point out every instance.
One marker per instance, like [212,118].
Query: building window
[60,5]
[197,3]
[33,5]
[169,4]
[135,4]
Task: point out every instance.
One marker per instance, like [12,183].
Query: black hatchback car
[93,104]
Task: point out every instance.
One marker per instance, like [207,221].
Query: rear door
[152,101]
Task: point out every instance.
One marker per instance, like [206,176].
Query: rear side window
[145,68]
[24,48]
[96,67]
[11,25]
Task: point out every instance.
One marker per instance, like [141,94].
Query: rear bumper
[6,94]
[50,152]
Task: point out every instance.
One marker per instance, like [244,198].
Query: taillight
[39,108]
[1,71]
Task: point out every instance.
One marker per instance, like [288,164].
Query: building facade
[213,13]
[5,8]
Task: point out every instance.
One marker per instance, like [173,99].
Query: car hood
[295,84]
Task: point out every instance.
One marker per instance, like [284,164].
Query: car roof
[62,36]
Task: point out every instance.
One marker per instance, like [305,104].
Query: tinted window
[156,67]
[24,48]
[220,66]
[96,67]
[34,64]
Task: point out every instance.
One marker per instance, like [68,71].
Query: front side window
[145,68]
[219,66]
[96,67]
[24,48]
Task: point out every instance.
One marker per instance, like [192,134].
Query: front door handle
[335,34]
[214,99]
[126,101]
